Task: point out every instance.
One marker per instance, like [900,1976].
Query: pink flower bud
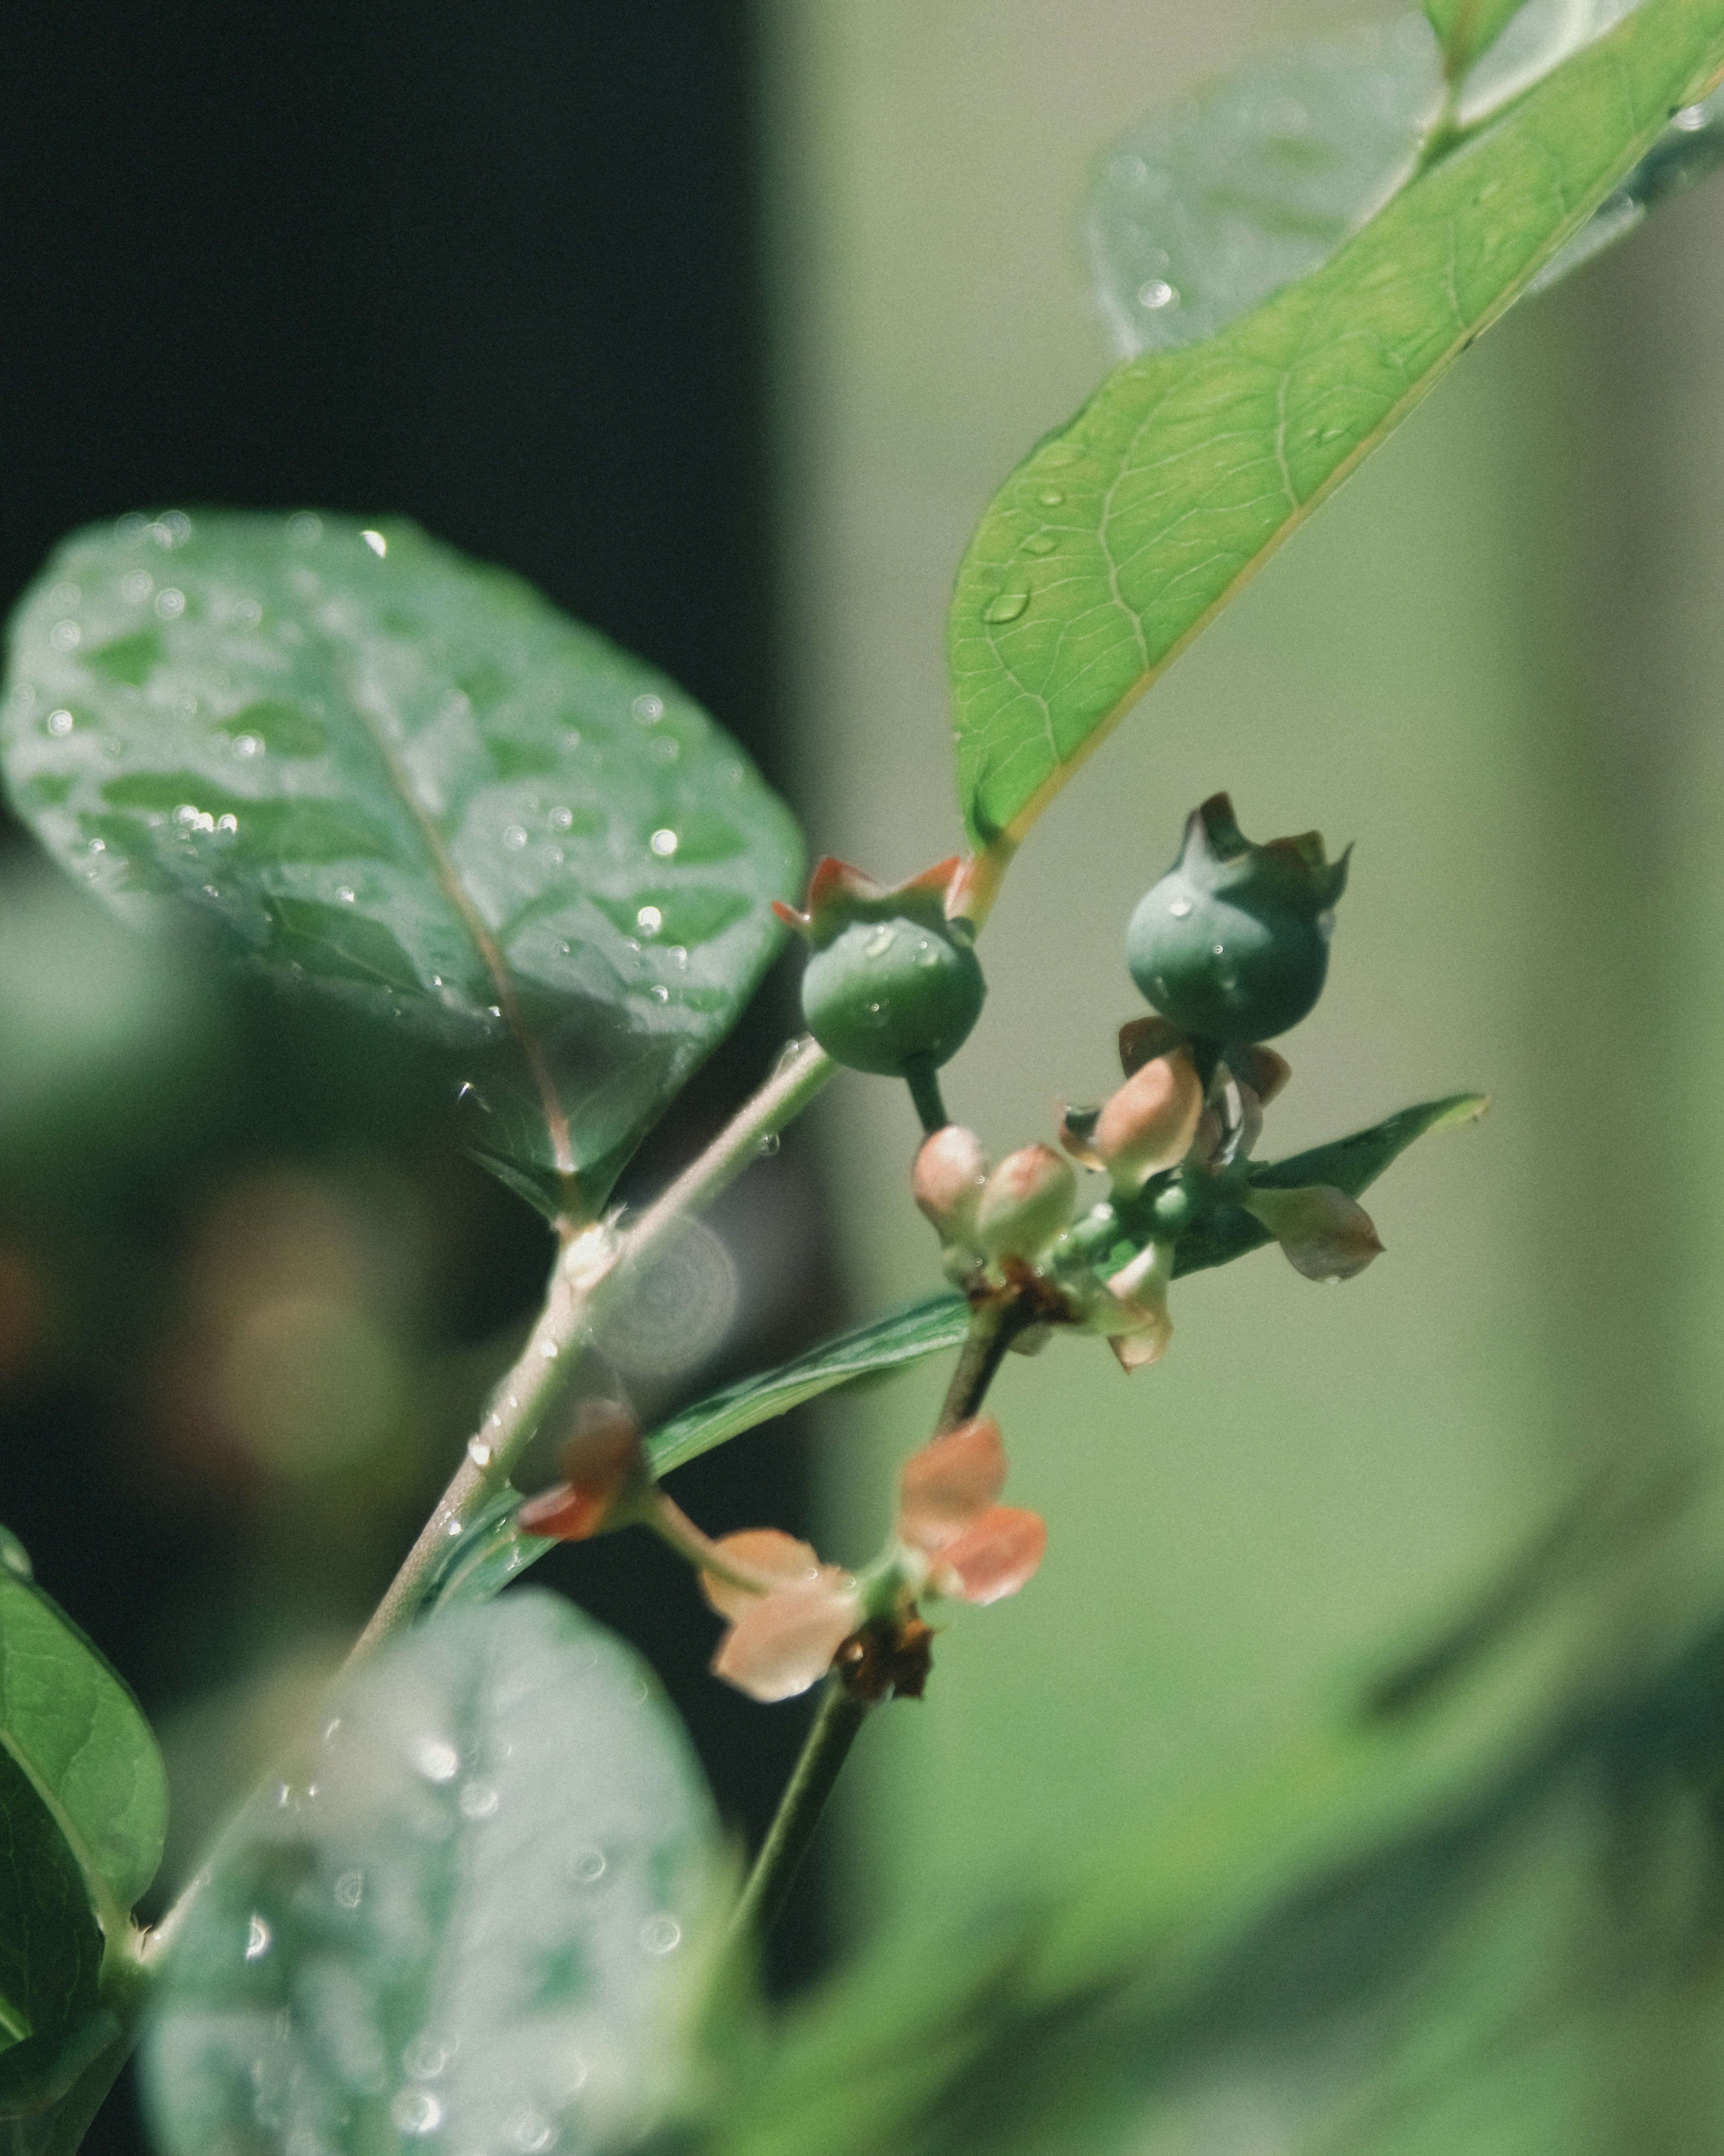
[949,1483]
[1025,1202]
[947,1182]
[1141,1040]
[1150,1123]
[1326,1235]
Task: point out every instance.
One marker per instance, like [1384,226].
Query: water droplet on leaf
[1005,606]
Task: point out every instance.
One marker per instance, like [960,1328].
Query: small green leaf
[1125,531]
[73,1728]
[468,1923]
[371,767]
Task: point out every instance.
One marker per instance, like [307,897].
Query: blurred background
[722,323]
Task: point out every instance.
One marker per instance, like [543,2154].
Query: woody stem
[994,1323]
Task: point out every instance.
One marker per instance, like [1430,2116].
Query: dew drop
[1218,950]
[548,1353]
[175,528]
[248,745]
[1050,497]
[185,705]
[515,838]
[304,530]
[1691,118]
[170,603]
[664,844]
[435,1758]
[130,528]
[649,709]
[98,846]
[927,953]
[376,542]
[257,1939]
[247,613]
[349,1889]
[649,920]
[666,749]
[478,1801]
[479,1452]
[66,636]
[880,942]
[135,586]
[415,2111]
[1180,908]
[1156,293]
[1005,606]
[661,995]
[424,2058]
[560,819]
[1041,542]
[345,893]
[59,722]
[678,957]
[531,2131]
[768,1145]
[228,824]
[571,739]
[494,1009]
[661,1934]
[587,1866]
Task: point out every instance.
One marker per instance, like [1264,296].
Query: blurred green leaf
[74,1731]
[370,766]
[1397,1941]
[1125,531]
[475,1912]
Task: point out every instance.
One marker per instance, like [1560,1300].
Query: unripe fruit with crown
[889,980]
[1233,943]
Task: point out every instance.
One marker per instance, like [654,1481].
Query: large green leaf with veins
[72,1728]
[404,779]
[51,2018]
[1125,531]
[468,1919]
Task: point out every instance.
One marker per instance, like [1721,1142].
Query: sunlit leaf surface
[372,766]
[1125,531]
[466,1922]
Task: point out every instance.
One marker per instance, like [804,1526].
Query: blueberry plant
[485,1906]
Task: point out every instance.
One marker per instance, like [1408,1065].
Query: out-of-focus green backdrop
[1494,662]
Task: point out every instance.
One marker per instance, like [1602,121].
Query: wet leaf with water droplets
[1189,468]
[372,768]
[479,1926]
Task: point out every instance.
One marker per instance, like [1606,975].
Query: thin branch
[590,1268]
[839,1717]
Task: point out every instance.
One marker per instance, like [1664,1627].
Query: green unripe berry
[882,993]
[1233,943]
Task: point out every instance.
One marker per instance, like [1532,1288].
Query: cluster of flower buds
[790,1615]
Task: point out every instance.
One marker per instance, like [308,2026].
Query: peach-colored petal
[1150,1122]
[778,1558]
[1326,1235]
[1145,1344]
[992,1558]
[943,1487]
[1262,1069]
[785,1641]
[1140,1289]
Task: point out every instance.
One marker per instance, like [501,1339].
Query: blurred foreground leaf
[468,1922]
[1398,1942]
[1125,531]
[370,766]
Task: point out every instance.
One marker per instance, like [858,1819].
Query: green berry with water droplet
[889,981]
[1233,943]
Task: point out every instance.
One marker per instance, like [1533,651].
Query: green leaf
[1205,207]
[374,768]
[1124,532]
[72,1727]
[50,1954]
[475,1912]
